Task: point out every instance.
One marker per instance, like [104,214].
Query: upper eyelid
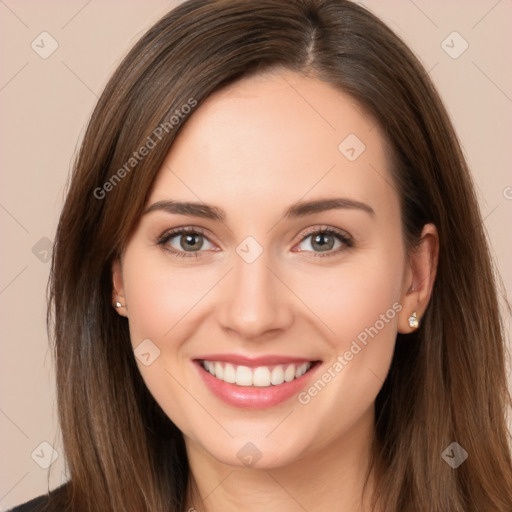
[174,232]
[321,229]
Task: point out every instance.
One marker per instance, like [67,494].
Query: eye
[185,242]
[324,242]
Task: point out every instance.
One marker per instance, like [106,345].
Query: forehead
[273,139]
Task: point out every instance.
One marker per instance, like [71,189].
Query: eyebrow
[300,209]
[188,208]
[304,208]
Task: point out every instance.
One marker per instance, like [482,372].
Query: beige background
[45,104]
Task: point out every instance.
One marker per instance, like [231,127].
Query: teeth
[262,376]
[210,367]
[243,376]
[229,374]
[289,373]
[219,371]
[301,370]
[277,375]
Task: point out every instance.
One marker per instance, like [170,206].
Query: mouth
[260,376]
[255,383]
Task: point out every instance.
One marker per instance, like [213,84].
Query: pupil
[323,242]
[192,242]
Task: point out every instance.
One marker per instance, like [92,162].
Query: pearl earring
[413,321]
[118,305]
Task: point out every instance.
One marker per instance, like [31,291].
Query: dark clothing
[49,502]
[33,505]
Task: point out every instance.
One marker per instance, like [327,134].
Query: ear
[118,289]
[419,277]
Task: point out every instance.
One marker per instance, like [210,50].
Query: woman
[270,288]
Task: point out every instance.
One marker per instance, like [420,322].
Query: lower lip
[253,397]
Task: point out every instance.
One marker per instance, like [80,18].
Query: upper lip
[253,362]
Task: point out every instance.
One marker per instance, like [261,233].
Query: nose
[255,302]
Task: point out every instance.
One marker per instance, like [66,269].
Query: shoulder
[36,504]
[49,502]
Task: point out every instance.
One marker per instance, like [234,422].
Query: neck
[330,479]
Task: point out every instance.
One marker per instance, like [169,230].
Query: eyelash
[342,237]
[168,235]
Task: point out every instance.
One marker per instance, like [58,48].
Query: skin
[254,149]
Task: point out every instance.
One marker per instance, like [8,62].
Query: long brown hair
[447,381]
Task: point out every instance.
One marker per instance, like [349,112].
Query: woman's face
[293,260]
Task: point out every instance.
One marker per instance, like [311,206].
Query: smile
[255,383]
[261,376]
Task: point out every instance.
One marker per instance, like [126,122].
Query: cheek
[360,304]
[355,296]
[160,294]
[163,304]
[161,301]
[362,312]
